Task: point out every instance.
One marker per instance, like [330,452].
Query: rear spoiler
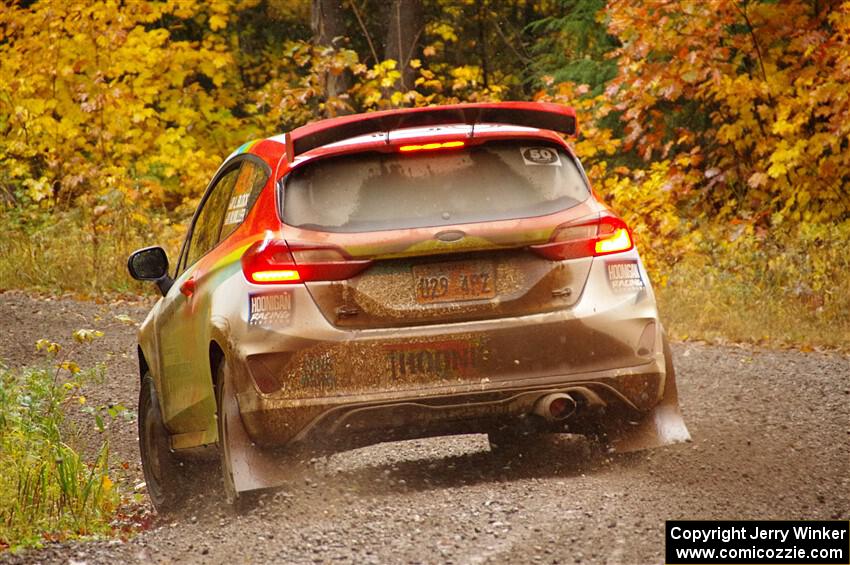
[541,115]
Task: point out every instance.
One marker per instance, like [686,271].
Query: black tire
[223,387]
[164,473]
[517,443]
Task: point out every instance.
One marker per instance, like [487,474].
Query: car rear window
[383,191]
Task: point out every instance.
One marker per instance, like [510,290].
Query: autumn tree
[747,100]
[104,105]
[732,109]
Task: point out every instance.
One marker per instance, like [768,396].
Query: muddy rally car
[396,275]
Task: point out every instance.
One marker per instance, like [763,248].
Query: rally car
[396,275]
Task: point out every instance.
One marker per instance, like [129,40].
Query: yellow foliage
[97,102]
[69,366]
[84,336]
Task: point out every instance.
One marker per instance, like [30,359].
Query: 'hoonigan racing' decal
[270,309]
[624,276]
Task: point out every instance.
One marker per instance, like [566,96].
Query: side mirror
[150,264]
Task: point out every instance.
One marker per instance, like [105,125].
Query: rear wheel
[670,377]
[226,411]
[164,473]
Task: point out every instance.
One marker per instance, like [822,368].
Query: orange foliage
[748,102]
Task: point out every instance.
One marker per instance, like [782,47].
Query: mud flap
[252,467]
[664,425]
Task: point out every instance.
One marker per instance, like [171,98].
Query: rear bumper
[345,424]
[310,381]
[615,394]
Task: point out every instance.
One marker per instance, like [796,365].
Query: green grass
[779,289]
[71,253]
[720,313]
[48,489]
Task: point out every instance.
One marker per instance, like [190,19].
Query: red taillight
[601,236]
[431,146]
[617,241]
[273,261]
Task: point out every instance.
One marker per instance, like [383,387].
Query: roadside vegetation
[786,289]
[55,484]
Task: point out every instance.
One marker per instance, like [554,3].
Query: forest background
[719,129]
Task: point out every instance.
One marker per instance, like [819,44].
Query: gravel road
[771,440]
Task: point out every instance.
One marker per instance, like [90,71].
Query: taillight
[615,239]
[601,236]
[431,146]
[273,261]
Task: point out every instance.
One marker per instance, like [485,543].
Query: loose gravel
[771,440]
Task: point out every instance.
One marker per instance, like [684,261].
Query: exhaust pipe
[555,407]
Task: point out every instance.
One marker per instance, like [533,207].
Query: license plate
[454,282]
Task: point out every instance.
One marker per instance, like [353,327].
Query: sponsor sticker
[270,309]
[540,156]
[624,276]
[317,372]
[236,209]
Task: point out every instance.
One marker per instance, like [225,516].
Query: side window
[208,225]
[251,180]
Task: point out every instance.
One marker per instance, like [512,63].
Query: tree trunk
[405,24]
[327,23]
[483,55]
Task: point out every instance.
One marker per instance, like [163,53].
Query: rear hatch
[447,231]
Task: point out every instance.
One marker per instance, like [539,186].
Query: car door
[183,324]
